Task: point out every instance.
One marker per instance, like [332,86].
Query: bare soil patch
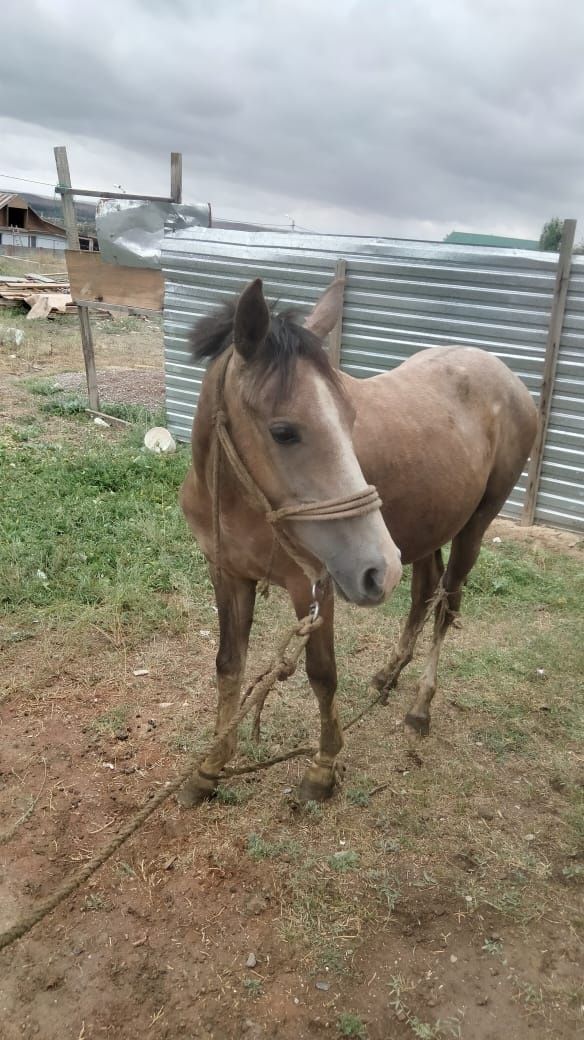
[143,386]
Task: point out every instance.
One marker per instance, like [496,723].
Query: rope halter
[360,503]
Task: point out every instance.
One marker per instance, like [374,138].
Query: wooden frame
[130,287]
[549,370]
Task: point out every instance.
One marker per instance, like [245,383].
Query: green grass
[258,848]
[513,575]
[351,1025]
[253,987]
[111,721]
[98,531]
[344,861]
[523,578]
[41,387]
[67,405]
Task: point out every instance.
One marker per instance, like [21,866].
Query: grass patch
[41,387]
[502,741]
[253,987]
[65,408]
[523,577]
[258,848]
[136,413]
[104,529]
[112,721]
[232,795]
[351,1025]
[344,861]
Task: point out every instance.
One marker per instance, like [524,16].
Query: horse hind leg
[426,574]
[465,550]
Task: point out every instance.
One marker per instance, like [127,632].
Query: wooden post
[335,335]
[73,242]
[176,177]
[549,370]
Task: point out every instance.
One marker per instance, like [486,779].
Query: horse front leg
[235,598]
[319,778]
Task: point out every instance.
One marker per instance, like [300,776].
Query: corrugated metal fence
[400,296]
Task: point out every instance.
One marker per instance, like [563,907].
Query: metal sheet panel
[400,296]
[131,232]
[560,499]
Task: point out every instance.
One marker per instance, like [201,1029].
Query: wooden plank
[176,177]
[93,281]
[72,230]
[67,192]
[69,217]
[335,335]
[112,420]
[549,371]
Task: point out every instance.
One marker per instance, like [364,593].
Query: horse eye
[284,433]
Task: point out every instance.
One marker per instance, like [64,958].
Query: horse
[346,478]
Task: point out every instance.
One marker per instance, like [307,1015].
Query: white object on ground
[15,336]
[159,440]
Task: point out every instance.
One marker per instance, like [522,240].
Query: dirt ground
[158,942]
[430,898]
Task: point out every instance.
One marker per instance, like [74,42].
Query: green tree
[551,235]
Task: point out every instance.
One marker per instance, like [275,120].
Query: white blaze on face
[344,472]
[352,546]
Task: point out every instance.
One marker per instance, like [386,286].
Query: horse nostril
[373,582]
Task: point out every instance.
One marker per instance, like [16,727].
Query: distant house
[471,238]
[21,225]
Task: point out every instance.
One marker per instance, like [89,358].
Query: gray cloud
[407,118]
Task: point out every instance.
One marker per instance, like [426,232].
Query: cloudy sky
[392,117]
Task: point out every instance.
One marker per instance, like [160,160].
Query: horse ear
[328,310]
[252,320]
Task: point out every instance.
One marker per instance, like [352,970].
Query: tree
[551,235]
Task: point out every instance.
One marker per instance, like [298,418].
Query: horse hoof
[317,785]
[197,790]
[417,726]
[384,682]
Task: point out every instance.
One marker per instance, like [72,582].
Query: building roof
[8,198]
[472,238]
[5,198]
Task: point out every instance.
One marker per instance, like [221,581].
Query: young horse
[443,438]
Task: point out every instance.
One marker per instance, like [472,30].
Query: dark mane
[287,341]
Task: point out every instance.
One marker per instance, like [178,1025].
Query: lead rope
[283,664]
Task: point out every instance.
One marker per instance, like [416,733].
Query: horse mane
[286,341]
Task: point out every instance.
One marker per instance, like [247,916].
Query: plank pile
[41,293]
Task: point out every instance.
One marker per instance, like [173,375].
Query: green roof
[470,238]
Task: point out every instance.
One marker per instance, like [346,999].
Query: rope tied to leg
[281,668]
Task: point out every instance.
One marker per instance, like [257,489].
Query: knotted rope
[282,667]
